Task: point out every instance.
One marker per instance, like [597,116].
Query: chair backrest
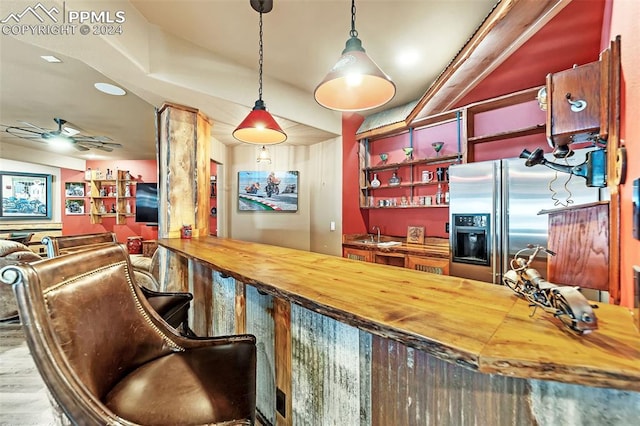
[64,244]
[87,324]
[21,237]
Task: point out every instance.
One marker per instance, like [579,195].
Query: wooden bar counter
[473,325]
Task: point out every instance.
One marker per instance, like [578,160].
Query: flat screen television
[147,203]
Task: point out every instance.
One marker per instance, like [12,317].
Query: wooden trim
[282,321]
[613,142]
[241,307]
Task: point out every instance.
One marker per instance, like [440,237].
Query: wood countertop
[481,326]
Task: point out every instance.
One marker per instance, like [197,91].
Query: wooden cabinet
[111,196]
[389,258]
[428,264]
[434,265]
[357,254]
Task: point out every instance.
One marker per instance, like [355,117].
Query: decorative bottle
[439,194]
[127,208]
[87,174]
[375,183]
[394,180]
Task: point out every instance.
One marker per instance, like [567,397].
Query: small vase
[375,183]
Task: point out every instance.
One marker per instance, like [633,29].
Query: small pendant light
[259,127]
[355,83]
[264,156]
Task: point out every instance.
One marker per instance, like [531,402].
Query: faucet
[373,228]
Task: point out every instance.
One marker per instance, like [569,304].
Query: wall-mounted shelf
[116,194]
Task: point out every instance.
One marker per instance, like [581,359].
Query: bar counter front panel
[343,342]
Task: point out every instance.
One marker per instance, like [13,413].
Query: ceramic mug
[427,175]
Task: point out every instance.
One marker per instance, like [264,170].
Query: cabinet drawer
[428,264]
[357,254]
[393,259]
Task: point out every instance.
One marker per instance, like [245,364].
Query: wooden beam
[508,27]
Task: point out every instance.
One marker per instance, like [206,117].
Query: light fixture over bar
[355,83]
[259,127]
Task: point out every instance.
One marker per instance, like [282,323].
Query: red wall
[353,221]
[141,170]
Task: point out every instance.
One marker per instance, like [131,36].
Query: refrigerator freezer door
[475,190]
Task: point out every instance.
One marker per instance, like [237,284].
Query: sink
[369,242]
[389,244]
[381,244]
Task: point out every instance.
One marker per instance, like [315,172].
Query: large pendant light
[259,127]
[355,83]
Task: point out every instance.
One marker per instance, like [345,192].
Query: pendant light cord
[353,32]
[260,53]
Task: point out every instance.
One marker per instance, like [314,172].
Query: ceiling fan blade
[80,147]
[23,133]
[104,148]
[92,139]
[40,129]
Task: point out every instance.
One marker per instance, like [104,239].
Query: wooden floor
[23,398]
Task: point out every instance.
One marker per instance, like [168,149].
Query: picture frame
[268,191]
[415,235]
[74,189]
[25,196]
[74,206]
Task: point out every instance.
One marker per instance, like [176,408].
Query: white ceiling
[204,54]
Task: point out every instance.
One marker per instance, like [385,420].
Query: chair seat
[193,392]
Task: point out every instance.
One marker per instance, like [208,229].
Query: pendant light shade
[355,83]
[259,127]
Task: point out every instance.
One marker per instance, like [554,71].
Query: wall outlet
[332,226]
[446,227]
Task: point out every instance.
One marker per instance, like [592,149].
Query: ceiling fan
[63,134]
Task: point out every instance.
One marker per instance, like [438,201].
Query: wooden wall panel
[326,361]
[282,321]
[200,278]
[584,233]
[260,323]
[223,305]
[410,387]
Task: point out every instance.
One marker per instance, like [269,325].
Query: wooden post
[183,140]
[183,168]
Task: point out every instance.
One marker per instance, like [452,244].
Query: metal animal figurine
[565,302]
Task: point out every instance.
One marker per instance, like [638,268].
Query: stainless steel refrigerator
[494,208]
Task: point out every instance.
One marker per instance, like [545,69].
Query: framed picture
[268,191]
[415,235]
[74,189]
[74,206]
[25,196]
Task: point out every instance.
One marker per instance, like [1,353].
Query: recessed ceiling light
[50,58]
[110,89]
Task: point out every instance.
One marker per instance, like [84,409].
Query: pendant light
[259,127]
[264,156]
[355,83]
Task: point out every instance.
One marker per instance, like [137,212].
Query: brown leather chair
[108,358]
[173,307]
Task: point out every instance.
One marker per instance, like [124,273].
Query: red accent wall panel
[353,220]
[141,170]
